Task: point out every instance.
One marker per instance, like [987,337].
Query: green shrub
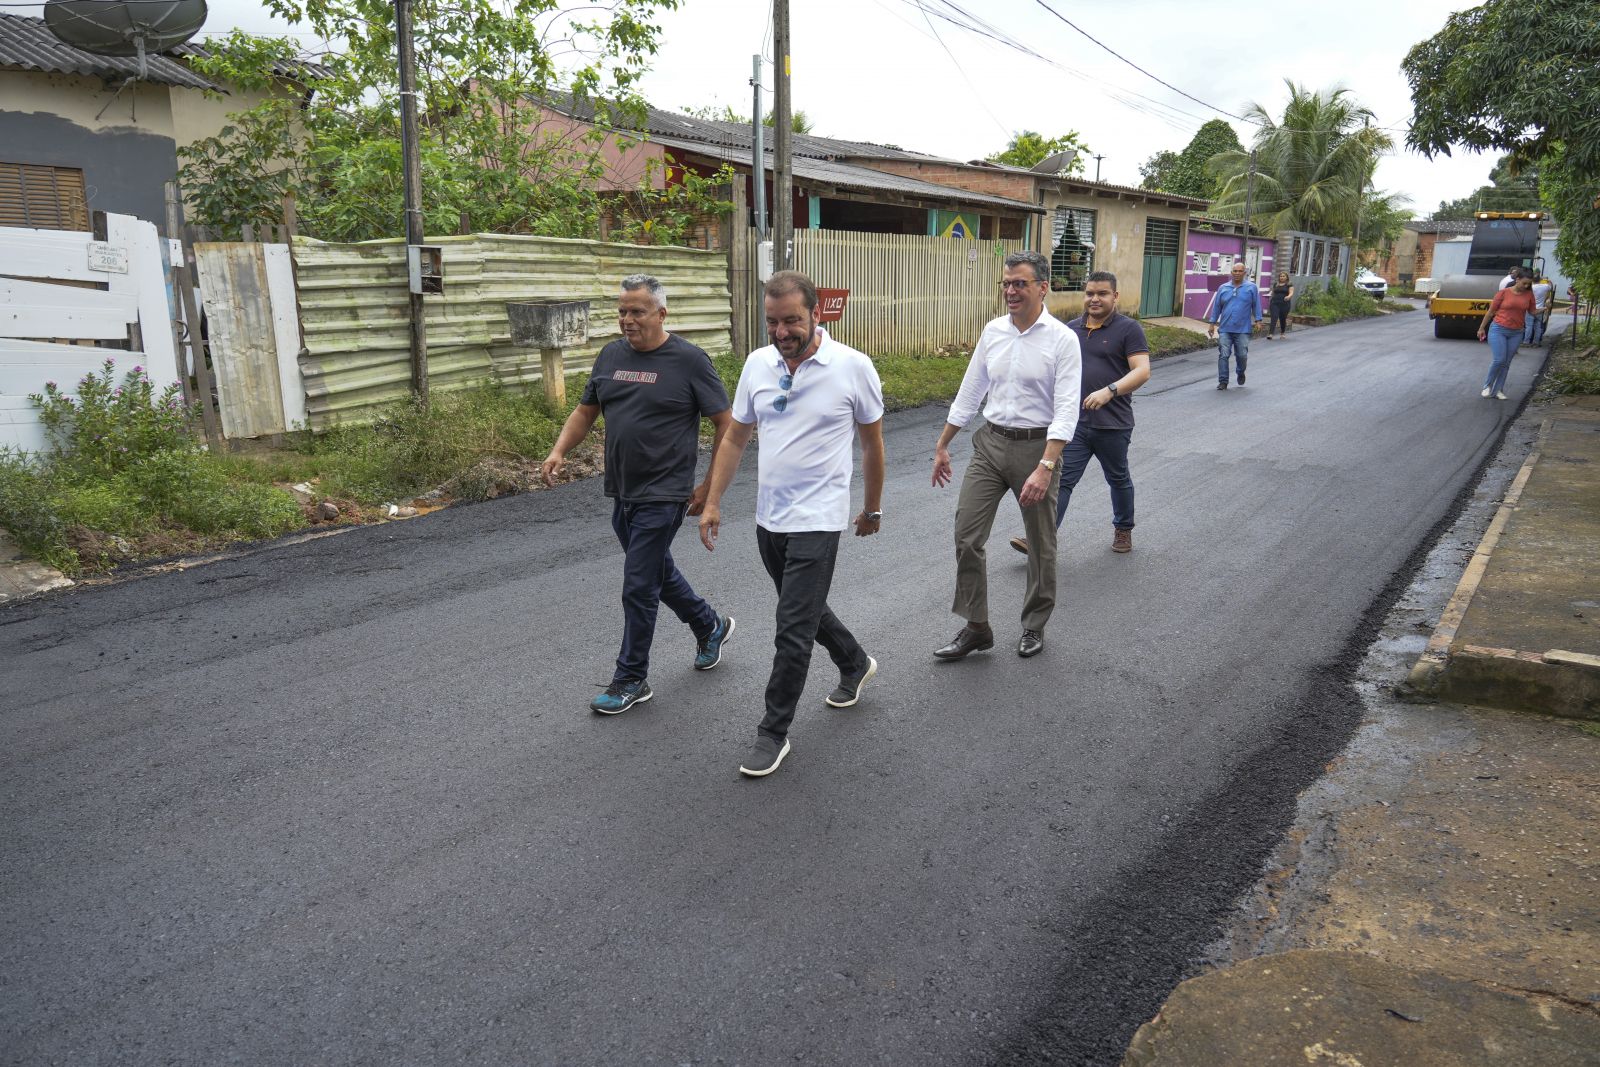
[108,426]
[1336,303]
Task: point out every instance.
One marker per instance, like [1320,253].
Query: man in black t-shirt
[653,389]
[1116,361]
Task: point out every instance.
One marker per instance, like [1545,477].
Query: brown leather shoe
[1032,643]
[1121,540]
[974,637]
[1020,544]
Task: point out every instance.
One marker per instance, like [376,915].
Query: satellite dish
[125,27]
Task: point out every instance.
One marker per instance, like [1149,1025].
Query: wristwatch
[1113,388]
[1048,464]
[875,516]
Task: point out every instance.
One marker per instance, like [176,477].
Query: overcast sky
[892,71]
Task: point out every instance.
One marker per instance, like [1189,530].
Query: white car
[1369,282]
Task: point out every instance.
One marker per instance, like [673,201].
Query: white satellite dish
[125,27]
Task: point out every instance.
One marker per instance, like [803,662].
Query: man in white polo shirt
[1025,373]
[811,397]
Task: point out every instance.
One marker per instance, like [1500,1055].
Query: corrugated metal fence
[908,295]
[353,310]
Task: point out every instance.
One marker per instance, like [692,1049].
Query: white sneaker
[1486,392]
[1501,396]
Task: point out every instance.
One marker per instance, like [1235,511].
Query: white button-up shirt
[1031,377]
[805,454]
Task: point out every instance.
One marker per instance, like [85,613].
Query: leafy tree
[1312,168]
[486,159]
[1509,189]
[1520,78]
[1157,170]
[1028,148]
[1383,217]
[1184,173]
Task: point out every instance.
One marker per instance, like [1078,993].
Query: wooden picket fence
[908,295]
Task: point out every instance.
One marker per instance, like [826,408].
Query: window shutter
[43,198]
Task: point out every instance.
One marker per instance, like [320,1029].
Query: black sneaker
[849,690]
[1222,385]
[620,696]
[709,653]
[1241,377]
[764,757]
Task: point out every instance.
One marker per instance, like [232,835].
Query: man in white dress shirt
[1029,366]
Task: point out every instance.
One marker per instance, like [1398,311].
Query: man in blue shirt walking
[1235,310]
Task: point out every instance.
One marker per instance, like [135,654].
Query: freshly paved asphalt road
[342,801]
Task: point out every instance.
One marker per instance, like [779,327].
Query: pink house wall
[1208,263]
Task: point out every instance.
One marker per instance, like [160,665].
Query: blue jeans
[1239,345]
[1503,344]
[1533,332]
[650,578]
[1110,447]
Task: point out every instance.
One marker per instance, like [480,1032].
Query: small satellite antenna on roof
[125,27]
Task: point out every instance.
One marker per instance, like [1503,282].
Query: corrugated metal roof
[28,43]
[849,176]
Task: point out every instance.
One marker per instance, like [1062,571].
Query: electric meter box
[425,268]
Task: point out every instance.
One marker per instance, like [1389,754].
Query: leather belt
[1031,434]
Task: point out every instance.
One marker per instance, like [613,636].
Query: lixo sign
[830,304]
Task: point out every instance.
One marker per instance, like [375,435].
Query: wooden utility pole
[782,165]
[1361,197]
[411,163]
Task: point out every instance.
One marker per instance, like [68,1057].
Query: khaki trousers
[999,466]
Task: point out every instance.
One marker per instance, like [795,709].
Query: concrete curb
[1553,681]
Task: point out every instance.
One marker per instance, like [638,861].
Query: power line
[1136,66]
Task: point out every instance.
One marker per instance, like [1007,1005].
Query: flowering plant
[110,426]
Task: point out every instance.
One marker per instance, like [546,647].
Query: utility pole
[1249,204]
[782,165]
[1361,196]
[758,165]
[411,163]
[1097,160]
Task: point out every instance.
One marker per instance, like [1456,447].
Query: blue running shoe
[710,650]
[620,696]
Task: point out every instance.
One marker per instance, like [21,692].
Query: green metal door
[1158,288]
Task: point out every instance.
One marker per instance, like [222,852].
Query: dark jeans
[801,565]
[1110,447]
[1280,318]
[649,578]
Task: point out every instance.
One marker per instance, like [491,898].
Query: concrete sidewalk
[1437,901]
[22,577]
[1523,630]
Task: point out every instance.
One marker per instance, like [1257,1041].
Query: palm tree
[1311,167]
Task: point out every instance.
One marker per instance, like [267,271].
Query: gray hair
[650,284]
[1036,260]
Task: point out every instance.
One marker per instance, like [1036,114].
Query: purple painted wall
[1208,262]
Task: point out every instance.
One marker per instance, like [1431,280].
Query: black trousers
[801,566]
[1280,317]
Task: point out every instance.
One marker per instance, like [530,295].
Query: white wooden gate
[62,287]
